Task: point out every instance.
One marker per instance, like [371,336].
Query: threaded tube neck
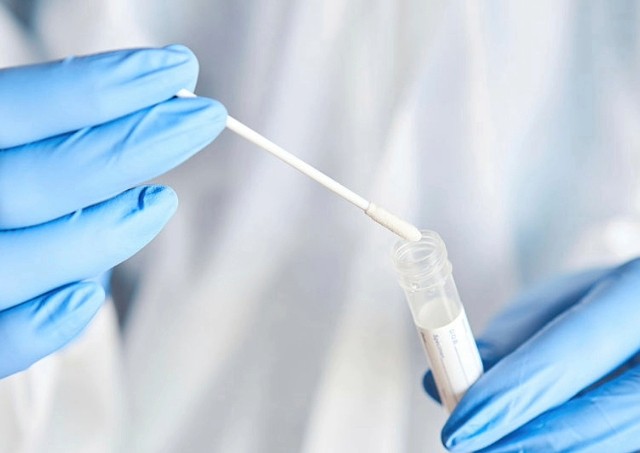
[421,264]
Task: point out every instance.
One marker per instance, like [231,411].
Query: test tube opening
[421,264]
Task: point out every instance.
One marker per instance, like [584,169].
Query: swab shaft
[297,163]
[385,218]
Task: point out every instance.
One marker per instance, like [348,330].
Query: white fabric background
[266,316]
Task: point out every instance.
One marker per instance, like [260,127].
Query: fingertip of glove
[123,224]
[429,386]
[448,442]
[219,111]
[214,116]
[43,325]
[201,119]
[182,52]
[157,197]
[462,433]
[179,54]
[451,442]
[70,309]
[183,58]
[201,110]
[88,289]
[86,296]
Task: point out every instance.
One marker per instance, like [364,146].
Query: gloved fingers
[584,344]
[531,311]
[41,326]
[80,245]
[44,100]
[53,177]
[525,316]
[606,419]
[429,385]
[629,364]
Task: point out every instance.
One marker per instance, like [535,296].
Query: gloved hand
[562,371]
[75,137]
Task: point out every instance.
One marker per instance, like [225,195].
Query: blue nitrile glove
[562,371]
[75,137]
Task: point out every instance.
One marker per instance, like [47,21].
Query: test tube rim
[424,277]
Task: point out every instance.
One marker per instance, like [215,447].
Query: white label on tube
[453,354]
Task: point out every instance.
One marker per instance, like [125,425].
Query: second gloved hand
[562,371]
[76,137]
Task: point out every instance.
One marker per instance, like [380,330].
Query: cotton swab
[383,217]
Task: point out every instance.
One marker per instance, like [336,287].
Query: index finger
[48,99]
[532,311]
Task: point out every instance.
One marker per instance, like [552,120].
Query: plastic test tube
[424,272]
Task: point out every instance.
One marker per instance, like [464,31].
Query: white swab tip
[393,223]
[184,93]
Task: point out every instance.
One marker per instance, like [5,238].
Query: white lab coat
[266,317]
